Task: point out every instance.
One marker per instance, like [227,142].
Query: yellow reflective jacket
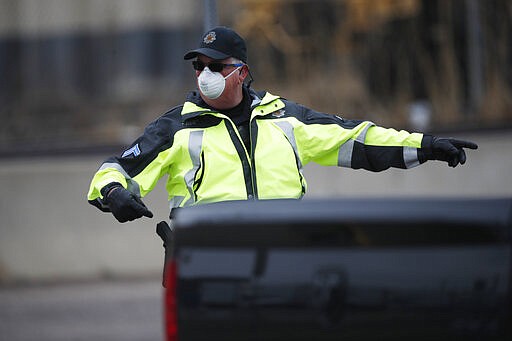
[203,156]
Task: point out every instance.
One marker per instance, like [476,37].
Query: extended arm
[121,182]
[331,140]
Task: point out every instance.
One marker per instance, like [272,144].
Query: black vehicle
[365,269]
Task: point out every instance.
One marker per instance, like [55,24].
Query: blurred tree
[402,51]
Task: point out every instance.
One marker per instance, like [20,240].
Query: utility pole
[210,14]
[474,54]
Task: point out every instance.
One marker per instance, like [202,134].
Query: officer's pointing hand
[446,149]
[126,206]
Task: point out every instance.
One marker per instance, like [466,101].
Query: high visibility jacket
[203,156]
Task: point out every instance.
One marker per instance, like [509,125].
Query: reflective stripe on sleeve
[347,148]
[411,157]
[345,154]
[132,185]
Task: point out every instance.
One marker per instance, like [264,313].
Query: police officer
[230,142]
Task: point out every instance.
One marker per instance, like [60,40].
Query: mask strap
[229,75]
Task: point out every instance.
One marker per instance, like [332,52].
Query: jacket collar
[195,106]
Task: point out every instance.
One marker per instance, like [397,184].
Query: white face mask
[212,84]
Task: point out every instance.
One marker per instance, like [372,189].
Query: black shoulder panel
[310,116]
[157,137]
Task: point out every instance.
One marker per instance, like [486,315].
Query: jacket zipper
[243,154]
[248,166]
[253,133]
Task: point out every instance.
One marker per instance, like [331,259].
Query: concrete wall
[48,231]
[487,173]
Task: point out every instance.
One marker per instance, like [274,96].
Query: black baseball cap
[220,43]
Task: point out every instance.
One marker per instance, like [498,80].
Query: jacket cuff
[426,152]
[104,191]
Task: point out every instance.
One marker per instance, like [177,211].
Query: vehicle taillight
[170,304]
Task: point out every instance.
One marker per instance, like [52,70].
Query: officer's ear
[243,72]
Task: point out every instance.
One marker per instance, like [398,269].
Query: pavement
[106,310]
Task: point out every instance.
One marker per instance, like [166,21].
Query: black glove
[444,149]
[124,205]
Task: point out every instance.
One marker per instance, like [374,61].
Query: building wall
[46,17]
[49,231]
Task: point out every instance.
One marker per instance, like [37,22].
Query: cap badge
[210,38]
